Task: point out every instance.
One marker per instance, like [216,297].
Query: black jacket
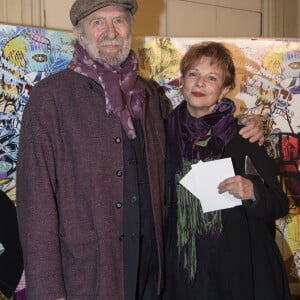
[244,262]
[11,261]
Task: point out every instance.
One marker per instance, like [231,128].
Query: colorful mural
[268,84]
[27,55]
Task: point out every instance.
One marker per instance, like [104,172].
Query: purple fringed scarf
[193,139]
[123,97]
[187,132]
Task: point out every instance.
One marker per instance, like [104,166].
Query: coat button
[117,140]
[121,238]
[119,173]
[119,205]
[134,237]
[133,199]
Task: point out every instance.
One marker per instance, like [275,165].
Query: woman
[230,253]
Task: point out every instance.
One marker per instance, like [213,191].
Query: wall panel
[201,20]
[13,12]
[23,12]
[253,5]
[210,2]
[163,17]
[57,14]
[242,23]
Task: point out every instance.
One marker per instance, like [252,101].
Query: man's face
[106,34]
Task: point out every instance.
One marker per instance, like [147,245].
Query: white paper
[203,180]
[2,249]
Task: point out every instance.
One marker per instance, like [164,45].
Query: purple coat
[69,180]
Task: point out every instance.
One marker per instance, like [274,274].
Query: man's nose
[111,32]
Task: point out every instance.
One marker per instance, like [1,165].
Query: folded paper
[203,180]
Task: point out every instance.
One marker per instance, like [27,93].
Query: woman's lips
[198,94]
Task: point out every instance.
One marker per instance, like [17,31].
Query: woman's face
[203,87]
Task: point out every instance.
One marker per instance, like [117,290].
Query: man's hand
[253,128]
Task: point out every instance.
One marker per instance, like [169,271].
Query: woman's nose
[200,81]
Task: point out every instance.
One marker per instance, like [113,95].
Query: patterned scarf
[195,139]
[124,98]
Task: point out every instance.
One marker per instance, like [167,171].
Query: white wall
[179,17]
[290,18]
[175,17]
[57,14]
[24,12]
[214,18]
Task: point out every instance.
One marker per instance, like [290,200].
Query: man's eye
[96,22]
[120,20]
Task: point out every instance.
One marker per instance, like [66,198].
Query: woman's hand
[238,186]
[253,128]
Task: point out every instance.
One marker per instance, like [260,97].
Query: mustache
[110,42]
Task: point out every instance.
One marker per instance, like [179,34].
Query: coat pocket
[79,260]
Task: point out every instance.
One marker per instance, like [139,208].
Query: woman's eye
[212,78]
[192,74]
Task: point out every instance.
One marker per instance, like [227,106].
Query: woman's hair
[219,55]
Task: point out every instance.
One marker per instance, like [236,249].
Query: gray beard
[113,61]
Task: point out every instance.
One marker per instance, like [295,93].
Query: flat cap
[82,8]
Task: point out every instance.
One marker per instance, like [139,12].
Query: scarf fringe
[193,224]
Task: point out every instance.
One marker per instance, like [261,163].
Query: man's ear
[78,34]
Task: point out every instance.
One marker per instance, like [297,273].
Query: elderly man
[90,175]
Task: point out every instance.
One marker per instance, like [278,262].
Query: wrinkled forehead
[111,10]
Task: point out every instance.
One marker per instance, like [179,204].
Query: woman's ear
[180,82]
[225,91]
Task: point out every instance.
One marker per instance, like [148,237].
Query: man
[90,175]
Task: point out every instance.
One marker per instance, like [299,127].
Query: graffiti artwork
[268,84]
[27,55]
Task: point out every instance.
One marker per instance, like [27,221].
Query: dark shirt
[140,261]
